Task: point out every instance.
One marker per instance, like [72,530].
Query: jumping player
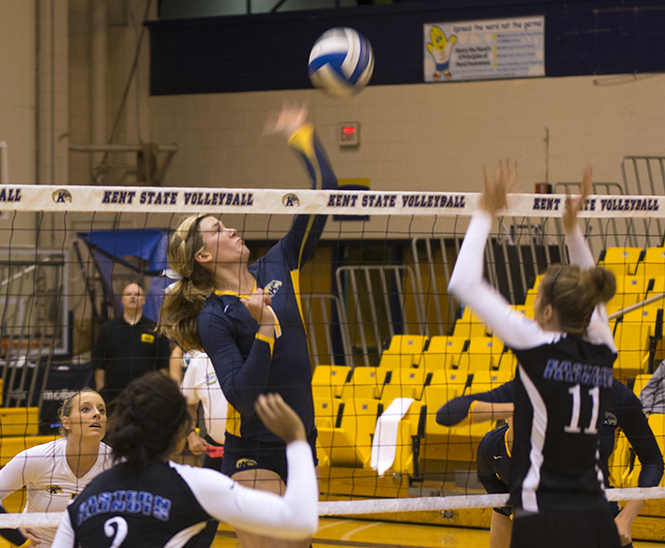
[53,473]
[147,500]
[248,320]
[494,451]
[563,384]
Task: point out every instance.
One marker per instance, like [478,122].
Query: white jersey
[49,481]
[201,384]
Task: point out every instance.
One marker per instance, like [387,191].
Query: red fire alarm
[348,134]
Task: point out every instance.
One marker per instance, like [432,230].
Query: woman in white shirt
[54,473]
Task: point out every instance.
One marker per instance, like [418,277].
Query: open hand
[291,117]
[574,203]
[497,188]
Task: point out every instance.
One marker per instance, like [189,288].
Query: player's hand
[279,418]
[33,536]
[291,117]
[257,306]
[623,527]
[497,188]
[574,203]
[196,443]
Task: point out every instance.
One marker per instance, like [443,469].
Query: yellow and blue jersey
[248,364]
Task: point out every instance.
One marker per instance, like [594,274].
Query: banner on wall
[484,50]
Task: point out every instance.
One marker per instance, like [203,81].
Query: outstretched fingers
[291,117]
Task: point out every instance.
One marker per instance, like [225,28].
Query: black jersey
[561,393]
[144,508]
[169,505]
[562,388]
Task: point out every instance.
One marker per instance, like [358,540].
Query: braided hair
[149,418]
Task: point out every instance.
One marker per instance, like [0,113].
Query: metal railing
[379,292]
[33,321]
[318,315]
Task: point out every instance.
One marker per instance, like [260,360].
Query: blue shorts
[241,454]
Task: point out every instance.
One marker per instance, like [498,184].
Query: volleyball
[341,62]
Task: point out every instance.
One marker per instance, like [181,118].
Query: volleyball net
[388,345]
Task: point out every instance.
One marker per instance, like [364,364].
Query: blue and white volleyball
[341,62]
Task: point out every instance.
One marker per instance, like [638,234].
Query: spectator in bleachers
[128,347]
[652,395]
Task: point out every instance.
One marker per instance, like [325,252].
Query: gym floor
[352,533]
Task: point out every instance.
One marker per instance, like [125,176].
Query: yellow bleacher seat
[404,383]
[653,263]
[640,382]
[442,353]
[441,442]
[508,362]
[19,421]
[619,462]
[621,260]
[657,288]
[469,326]
[328,380]
[350,444]
[630,290]
[366,382]
[325,415]
[325,412]
[632,340]
[404,351]
[484,381]
[482,354]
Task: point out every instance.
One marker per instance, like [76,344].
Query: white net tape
[371,506]
[288,202]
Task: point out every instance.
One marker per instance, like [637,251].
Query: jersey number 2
[119,533]
[574,426]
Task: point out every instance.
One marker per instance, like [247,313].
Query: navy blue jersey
[248,365]
[168,505]
[561,392]
[624,413]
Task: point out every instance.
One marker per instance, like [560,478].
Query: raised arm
[580,254]
[301,240]
[578,250]
[467,282]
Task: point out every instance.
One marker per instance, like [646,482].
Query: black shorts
[586,529]
[240,454]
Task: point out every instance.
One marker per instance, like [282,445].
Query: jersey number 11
[574,426]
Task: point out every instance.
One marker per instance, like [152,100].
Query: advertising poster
[484,50]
